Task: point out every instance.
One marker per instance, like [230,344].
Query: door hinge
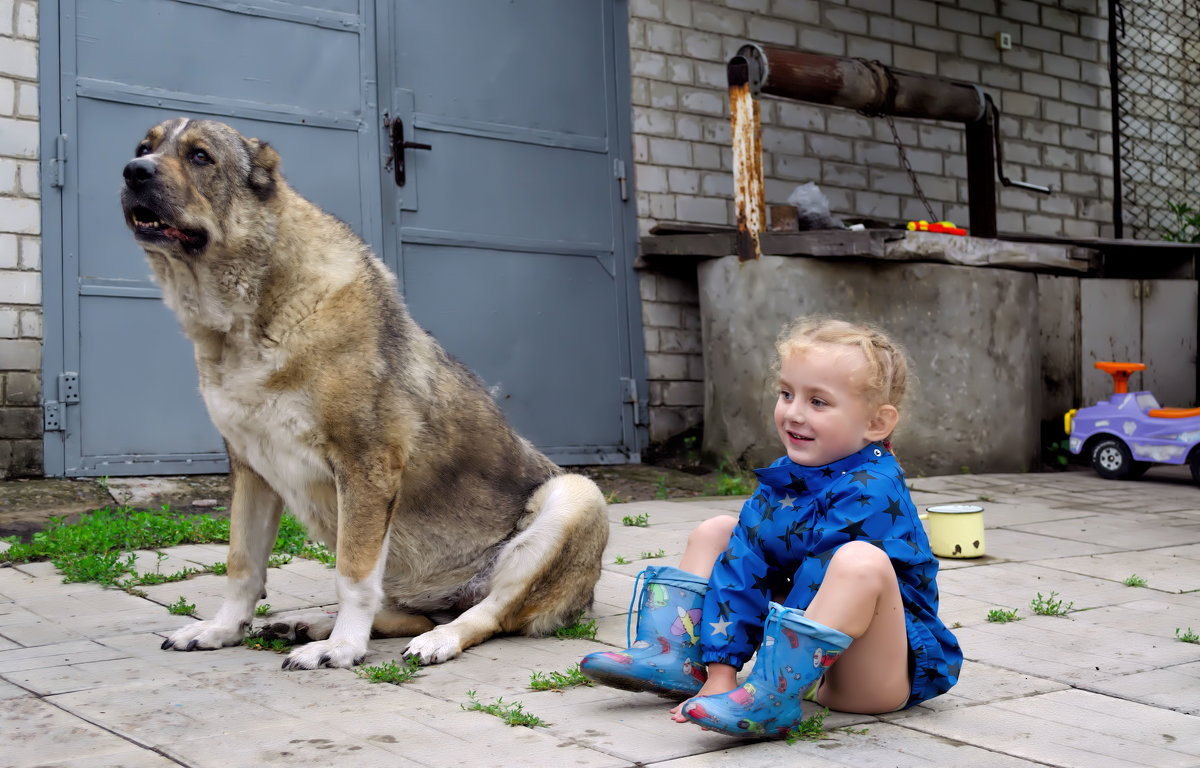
[629,394]
[619,172]
[58,164]
[54,412]
[54,417]
[68,387]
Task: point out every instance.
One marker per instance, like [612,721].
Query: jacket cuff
[722,657]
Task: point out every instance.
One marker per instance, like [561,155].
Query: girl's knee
[861,559]
[713,533]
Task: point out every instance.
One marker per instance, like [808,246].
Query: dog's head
[187,188]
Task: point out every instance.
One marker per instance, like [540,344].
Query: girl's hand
[722,678]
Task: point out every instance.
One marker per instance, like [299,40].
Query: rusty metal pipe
[749,196]
[859,84]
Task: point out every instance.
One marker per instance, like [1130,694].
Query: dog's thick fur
[333,402]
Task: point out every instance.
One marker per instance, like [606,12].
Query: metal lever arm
[1000,155]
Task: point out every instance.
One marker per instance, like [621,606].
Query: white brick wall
[20,241]
[1051,87]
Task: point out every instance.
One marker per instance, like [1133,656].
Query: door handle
[398,147]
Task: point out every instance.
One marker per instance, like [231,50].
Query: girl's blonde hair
[889,379]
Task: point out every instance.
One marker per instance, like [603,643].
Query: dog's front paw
[204,636]
[325,653]
[435,646]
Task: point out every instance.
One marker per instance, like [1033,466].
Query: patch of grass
[639,521]
[276,644]
[1002,616]
[1048,606]
[277,560]
[809,729]
[512,713]
[580,630]
[150,579]
[661,491]
[557,681]
[1187,637]
[99,548]
[621,560]
[1133,580]
[182,607]
[986,497]
[262,609]
[652,555]
[731,483]
[391,671]
[612,498]
[219,569]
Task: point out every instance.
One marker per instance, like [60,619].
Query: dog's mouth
[149,226]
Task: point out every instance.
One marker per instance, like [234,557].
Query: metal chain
[904,159]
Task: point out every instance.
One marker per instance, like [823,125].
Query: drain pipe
[869,87]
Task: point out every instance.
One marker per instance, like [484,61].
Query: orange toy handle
[1120,373]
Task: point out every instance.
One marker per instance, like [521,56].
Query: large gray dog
[332,401]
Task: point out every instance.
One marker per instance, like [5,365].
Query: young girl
[832,530]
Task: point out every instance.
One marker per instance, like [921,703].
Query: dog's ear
[264,165]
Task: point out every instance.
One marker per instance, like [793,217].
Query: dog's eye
[143,149]
[200,157]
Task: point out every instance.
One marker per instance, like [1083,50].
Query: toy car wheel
[1111,459]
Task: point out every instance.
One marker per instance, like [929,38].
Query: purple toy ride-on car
[1130,431]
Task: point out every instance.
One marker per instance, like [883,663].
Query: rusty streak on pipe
[858,84]
[749,197]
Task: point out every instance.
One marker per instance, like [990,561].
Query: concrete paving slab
[1022,546]
[1015,585]
[1176,688]
[37,733]
[1132,531]
[1074,728]
[1161,568]
[1099,687]
[1068,651]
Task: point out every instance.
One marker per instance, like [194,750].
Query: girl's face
[822,414]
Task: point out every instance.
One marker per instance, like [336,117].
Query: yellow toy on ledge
[945,227]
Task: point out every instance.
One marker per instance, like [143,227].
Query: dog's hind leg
[543,577]
[253,524]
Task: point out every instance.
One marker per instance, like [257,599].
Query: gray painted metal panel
[524,199]
[1110,329]
[298,78]
[524,272]
[1169,341]
[537,346]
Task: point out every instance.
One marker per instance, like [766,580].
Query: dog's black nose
[138,171]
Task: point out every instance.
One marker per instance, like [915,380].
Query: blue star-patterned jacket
[790,529]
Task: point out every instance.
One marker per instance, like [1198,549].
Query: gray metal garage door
[510,234]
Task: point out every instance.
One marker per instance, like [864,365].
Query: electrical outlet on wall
[1004,41]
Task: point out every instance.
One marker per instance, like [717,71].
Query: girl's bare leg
[860,596]
[705,544]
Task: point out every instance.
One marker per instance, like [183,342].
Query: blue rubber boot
[795,652]
[665,657]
